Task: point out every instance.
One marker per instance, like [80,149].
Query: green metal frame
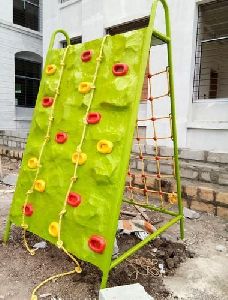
[178,217]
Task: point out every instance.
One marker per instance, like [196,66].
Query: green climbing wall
[100,180]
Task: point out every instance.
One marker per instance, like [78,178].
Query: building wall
[14,39]
[202,124]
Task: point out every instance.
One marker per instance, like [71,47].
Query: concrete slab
[132,292]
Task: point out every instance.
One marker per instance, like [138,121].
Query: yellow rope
[34,297]
[72,181]
[46,139]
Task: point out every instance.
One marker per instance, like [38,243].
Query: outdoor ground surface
[194,269]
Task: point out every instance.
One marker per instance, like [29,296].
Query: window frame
[199,54]
[73,41]
[26,79]
[24,21]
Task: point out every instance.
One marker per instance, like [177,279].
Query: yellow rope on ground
[34,297]
[73,180]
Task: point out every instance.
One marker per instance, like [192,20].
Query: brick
[191,154]
[188,173]
[217,157]
[191,190]
[150,182]
[222,212]
[201,206]
[135,148]
[140,164]
[150,149]
[14,144]
[205,176]
[166,169]
[223,179]
[222,197]
[166,151]
[206,194]
[151,167]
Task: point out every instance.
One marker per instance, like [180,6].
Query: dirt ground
[194,269]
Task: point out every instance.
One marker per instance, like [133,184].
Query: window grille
[211,59]
[73,41]
[26,13]
[63,1]
[27,81]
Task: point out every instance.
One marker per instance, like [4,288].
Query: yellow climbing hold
[104,146]
[33,163]
[50,69]
[53,229]
[84,87]
[80,157]
[34,297]
[39,185]
[172,198]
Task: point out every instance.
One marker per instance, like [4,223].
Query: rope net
[151,174]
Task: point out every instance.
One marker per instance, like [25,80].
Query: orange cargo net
[137,181]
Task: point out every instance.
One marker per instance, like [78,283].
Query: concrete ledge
[125,292]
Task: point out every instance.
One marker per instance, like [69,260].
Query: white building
[20,61]
[200,53]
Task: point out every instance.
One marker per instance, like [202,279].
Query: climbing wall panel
[72,177]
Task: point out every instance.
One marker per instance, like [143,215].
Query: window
[26,13]
[27,80]
[128,26]
[211,68]
[63,1]
[73,41]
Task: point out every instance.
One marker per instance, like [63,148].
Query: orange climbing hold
[81,158]
[93,117]
[33,163]
[39,185]
[61,137]
[28,210]
[84,87]
[47,101]
[97,243]
[53,229]
[86,55]
[74,199]
[104,146]
[120,69]
[50,69]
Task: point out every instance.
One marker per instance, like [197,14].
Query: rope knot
[59,244]
[79,150]
[47,138]
[62,212]
[29,192]
[74,179]
[78,269]
[24,226]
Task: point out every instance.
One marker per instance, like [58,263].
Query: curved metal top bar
[54,35]
[153,15]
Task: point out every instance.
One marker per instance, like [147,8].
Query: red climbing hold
[47,101]
[86,55]
[97,243]
[61,137]
[28,210]
[93,118]
[120,69]
[74,199]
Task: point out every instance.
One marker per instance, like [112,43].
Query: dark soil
[22,272]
